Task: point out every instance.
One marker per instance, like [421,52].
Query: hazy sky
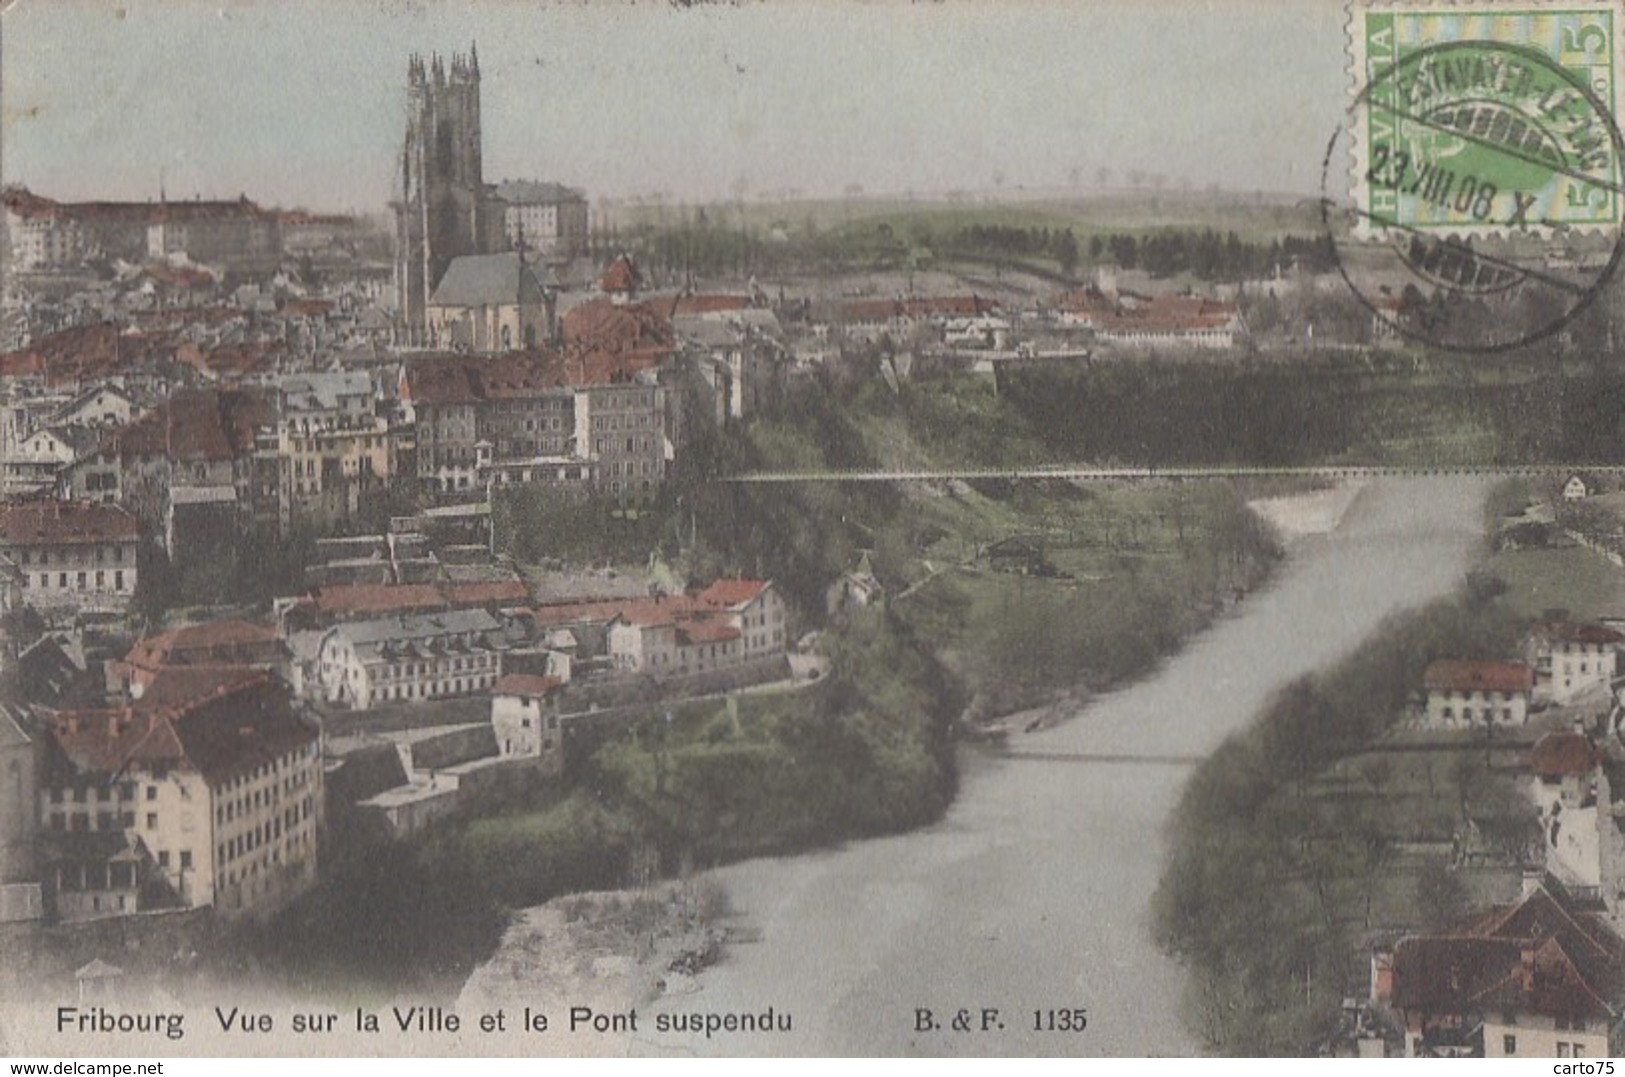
[304,102]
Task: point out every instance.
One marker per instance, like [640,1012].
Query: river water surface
[1034,891]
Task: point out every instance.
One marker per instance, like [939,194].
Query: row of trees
[1211,256]
[1059,245]
[1267,879]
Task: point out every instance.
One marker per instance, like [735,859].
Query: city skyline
[306,106]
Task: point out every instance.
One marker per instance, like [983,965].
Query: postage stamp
[815,528]
[1478,119]
[1485,168]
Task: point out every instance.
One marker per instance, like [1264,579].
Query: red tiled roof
[1458,675]
[177,686]
[1467,975]
[1558,755]
[485,592]
[618,328]
[199,424]
[219,732]
[708,304]
[1149,314]
[234,360]
[197,209]
[732,592]
[27,204]
[44,521]
[376,599]
[88,353]
[1591,943]
[181,644]
[1534,956]
[1448,974]
[569,613]
[525,684]
[621,276]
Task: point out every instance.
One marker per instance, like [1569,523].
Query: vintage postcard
[812,528]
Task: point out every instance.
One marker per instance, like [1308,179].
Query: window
[152,820]
[1563,1050]
[1509,1044]
[186,859]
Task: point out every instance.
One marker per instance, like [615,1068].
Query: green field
[1575,579]
[1088,213]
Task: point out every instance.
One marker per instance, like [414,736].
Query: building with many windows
[73,556]
[585,421]
[1572,658]
[1463,693]
[212,779]
[545,219]
[410,658]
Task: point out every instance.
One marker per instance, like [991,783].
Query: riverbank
[1313,832]
[1315,512]
[1033,887]
[608,953]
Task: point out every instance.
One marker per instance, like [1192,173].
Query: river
[1033,893]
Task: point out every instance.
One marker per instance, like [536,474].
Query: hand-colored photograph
[812,528]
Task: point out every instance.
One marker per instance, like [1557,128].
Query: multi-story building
[74,556]
[236,234]
[188,468]
[730,622]
[525,718]
[545,219]
[212,645]
[43,456]
[46,235]
[327,448]
[1462,693]
[220,785]
[1572,658]
[410,658]
[622,428]
[537,417]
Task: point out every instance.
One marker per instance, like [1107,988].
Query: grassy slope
[1343,848]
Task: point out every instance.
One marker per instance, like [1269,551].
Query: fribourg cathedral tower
[439,203]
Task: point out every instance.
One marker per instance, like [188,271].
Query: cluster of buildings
[1544,975]
[46,235]
[191,768]
[1128,320]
